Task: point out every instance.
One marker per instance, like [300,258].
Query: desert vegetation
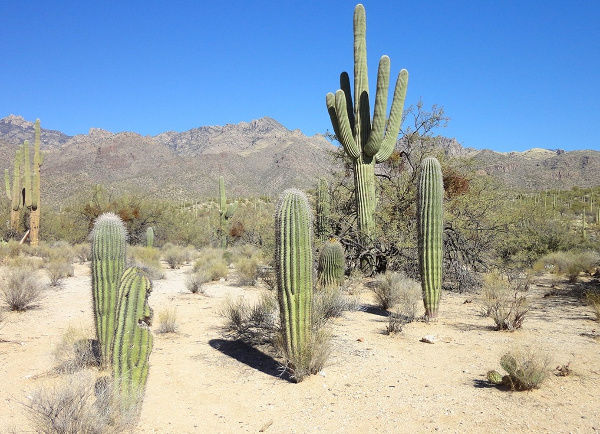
[349,282]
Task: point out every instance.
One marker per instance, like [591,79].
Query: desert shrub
[75,351]
[393,288]
[254,324]
[332,302]
[167,321]
[57,270]
[22,290]
[571,263]
[12,249]
[593,300]
[504,302]
[212,262]
[148,259]
[83,252]
[194,282]
[77,405]
[248,269]
[29,262]
[311,360]
[396,321]
[268,278]
[61,250]
[525,369]
[175,256]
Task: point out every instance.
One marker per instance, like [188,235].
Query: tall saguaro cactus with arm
[225,212]
[34,216]
[366,141]
[430,227]
[14,193]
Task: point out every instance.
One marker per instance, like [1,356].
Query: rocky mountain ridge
[261,157]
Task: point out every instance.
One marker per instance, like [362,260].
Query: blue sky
[511,75]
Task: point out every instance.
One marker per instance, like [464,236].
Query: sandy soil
[201,382]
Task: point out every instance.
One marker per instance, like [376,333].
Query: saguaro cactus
[331,264]
[364,141]
[108,263]
[35,214]
[293,265]
[14,193]
[323,206]
[225,212]
[430,226]
[132,342]
[149,237]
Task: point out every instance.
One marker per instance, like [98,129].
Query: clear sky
[511,75]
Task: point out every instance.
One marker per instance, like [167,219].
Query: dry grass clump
[504,302]
[395,288]
[593,300]
[247,260]
[22,290]
[194,282]
[311,360]
[175,256]
[75,351]
[571,263]
[525,369]
[77,405]
[83,252]
[332,302]
[148,259]
[57,270]
[253,324]
[167,321]
[212,262]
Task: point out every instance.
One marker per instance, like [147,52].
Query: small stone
[429,339]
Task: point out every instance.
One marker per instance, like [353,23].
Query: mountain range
[260,157]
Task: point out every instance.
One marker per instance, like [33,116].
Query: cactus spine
[331,264]
[430,226]
[323,206]
[108,263]
[132,340]
[364,141]
[294,268]
[225,212]
[150,237]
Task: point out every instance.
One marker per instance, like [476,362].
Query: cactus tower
[366,141]
[430,226]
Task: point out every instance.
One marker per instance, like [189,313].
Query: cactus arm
[27,174]
[231,209]
[35,188]
[430,227]
[7,184]
[132,342]
[17,194]
[362,112]
[345,137]
[395,120]
[378,126]
[345,86]
[330,101]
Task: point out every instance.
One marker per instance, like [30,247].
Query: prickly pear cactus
[330,270]
[132,342]
[108,262]
[430,226]
[294,268]
[494,377]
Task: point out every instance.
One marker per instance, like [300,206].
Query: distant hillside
[257,158]
[260,157]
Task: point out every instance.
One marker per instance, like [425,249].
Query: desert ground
[202,382]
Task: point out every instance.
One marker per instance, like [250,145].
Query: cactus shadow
[374,310]
[483,384]
[250,356]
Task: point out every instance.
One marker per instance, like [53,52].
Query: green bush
[504,302]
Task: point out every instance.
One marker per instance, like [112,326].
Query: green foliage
[366,142]
[225,212]
[526,369]
[430,227]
